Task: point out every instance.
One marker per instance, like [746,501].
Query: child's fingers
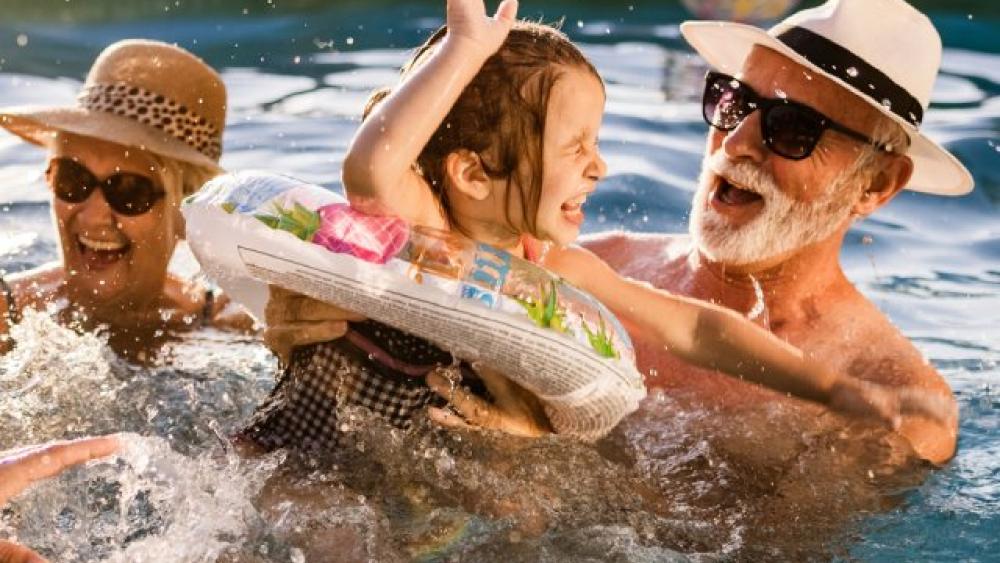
[448,419]
[311,310]
[474,409]
[506,11]
[500,387]
[284,306]
[282,339]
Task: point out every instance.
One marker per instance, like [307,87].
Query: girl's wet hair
[500,115]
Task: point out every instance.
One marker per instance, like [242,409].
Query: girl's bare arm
[698,332]
[378,171]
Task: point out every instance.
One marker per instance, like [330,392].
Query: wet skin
[811,304]
[113,267]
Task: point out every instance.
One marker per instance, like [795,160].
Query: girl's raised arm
[378,171]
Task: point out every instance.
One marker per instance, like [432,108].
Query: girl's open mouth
[573,209]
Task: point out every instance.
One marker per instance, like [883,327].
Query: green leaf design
[299,220]
[268,220]
[545,311]
[600,340]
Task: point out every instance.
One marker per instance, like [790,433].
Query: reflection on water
[678,478]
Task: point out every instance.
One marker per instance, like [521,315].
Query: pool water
[676,482]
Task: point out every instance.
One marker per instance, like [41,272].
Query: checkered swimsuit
[302,410]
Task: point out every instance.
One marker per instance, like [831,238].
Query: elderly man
[818,128]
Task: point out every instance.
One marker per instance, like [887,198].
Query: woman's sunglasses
[126,193]
[789,129]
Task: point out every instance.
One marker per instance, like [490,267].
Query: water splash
[53,382]
[150,503]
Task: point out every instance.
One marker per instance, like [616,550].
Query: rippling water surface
[674,482]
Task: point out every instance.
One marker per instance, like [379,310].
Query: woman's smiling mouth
[100,254]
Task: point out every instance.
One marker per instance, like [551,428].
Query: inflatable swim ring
[252,229]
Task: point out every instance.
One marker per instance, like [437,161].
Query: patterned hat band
[154,110]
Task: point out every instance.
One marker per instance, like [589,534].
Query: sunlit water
[676,481]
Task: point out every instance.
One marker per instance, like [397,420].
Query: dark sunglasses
[789,129]
[125,192]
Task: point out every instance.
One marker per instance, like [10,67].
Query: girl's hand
[297,320]
[888,404]
[514,410]
[469,25]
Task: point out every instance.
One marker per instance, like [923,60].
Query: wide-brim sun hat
[884,51]
[139,93]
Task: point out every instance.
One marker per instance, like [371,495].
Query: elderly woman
[146,131]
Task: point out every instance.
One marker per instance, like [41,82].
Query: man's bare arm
[899,364]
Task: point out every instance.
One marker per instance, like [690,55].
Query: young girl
[492,133]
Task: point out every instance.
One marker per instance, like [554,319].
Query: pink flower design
[371,238]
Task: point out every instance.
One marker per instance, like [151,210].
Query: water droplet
[22,40]
[349,41]
[852,72]
[297,59]
[579,24]
[780,93]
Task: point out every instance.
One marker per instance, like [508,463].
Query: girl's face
[571,162]
[110,257]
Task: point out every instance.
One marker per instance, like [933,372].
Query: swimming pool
[675,482]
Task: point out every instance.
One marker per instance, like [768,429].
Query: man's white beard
[783,227]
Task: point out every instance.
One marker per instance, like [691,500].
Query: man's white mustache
[743,174]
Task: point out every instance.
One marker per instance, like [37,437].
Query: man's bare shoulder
[879,350]
[639,255]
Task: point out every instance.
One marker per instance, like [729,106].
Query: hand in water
[888,403]
[514,410]
[467,21]
[21,467]
[296,320]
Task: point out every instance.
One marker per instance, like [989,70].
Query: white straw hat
[884,51]
[139,93]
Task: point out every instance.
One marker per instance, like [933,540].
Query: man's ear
[466,173]
[893,174]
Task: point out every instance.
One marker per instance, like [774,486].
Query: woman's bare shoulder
[36,286]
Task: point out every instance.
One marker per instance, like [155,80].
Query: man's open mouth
[99,253]
[734,195]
